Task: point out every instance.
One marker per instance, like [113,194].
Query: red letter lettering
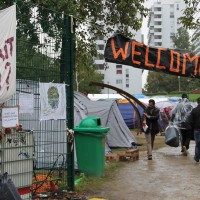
[7,79]
[9,41]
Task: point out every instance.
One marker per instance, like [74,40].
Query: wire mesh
[41,47]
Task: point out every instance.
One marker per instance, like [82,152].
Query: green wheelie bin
[90,146]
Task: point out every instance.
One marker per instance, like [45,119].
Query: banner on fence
[7,53]
[122,50]
[52,101]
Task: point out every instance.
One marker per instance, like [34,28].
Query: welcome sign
[122,50]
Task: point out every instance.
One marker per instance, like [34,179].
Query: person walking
[179,115]
[194,121]
[150,126]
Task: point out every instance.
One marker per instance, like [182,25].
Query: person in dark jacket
[150,126]
[194,121]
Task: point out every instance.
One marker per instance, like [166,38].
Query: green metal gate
[45,53]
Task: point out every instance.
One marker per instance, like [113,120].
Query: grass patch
[90,183]
[192,97]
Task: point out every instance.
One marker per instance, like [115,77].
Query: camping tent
[119,134]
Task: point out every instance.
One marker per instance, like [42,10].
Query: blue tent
[129,115]
[140,96]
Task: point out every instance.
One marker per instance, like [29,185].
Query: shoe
[184,151]
[150,157]
[197,160]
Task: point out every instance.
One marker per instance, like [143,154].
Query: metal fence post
[70,98]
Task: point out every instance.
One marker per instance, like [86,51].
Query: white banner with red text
[7,53]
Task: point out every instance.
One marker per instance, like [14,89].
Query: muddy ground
[169,176]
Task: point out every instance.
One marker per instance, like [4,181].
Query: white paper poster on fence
[52,101]
[26,103]
[7,53]
[10,116]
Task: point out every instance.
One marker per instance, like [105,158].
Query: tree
[191,17]
[85,70]
[160,82]
[92,19]
[182,39]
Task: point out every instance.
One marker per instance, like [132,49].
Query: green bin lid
[91,124]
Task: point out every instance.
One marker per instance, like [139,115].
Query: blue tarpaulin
[129,115]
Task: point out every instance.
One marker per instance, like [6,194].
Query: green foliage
[85,70]
[34,65]
[191,18]
[41,24]
[157,82]
[182,39]
[178,92]
[92,18]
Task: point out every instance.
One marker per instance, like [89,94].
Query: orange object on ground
[43,187]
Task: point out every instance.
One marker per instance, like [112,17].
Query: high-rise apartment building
[124,77]
[164,22]
[196,44]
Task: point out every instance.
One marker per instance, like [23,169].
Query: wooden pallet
[129,155]
[112,157]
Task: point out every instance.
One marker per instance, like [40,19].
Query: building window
[158,30]
[177,7]
[127,81]
[157,16]
[100,37]
[171,15]
[119,71]
[100,66]
[100,47]
[119,66]
[157,8]
[157,23]
[171,5]
[158,44]
[158,36]
[100,57]
[119,81]
[127,85]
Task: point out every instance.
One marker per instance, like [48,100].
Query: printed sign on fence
[10,116]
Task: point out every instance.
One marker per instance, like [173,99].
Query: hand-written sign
[10,117]
[122,50]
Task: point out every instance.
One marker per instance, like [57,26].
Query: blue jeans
[197,141]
